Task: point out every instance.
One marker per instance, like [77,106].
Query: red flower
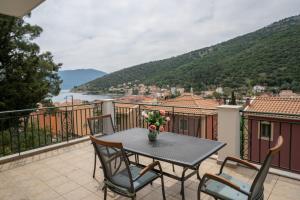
[161,129]
[162,112]
[152,127]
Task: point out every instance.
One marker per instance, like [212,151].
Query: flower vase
[152,135]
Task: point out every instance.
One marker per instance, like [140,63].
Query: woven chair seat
[223,191]
[121,177]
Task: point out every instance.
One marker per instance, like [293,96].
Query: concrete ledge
[40,150]
[283,173]
[274,171]
[237,107]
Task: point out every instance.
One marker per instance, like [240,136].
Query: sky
[109,35]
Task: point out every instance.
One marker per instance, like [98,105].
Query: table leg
[198,173]
[182,183]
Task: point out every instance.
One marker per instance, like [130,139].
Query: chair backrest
[101,124]
[114,161]
[259,180]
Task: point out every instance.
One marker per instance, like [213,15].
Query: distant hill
[77,77]
[269,56]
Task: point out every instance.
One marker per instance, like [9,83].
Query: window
[184,124]
[265,130]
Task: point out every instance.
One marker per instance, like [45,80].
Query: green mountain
[72,78]
[269,56]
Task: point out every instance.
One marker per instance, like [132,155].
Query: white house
[219,90]
[258,88]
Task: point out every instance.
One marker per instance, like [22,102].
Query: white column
[229,130]
[108,108]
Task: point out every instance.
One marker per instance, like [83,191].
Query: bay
[81,96]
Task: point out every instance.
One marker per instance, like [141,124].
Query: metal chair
[224,186]
[124,179]
[102,125]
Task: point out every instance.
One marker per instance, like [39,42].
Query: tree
[217,95]
[232,100]
[27,76]
[135,91]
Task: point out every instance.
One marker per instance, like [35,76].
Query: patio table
[181,150]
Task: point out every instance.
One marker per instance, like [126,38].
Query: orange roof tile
[135,99]
[189,100]
[275,105]
[126,105]
[188,103]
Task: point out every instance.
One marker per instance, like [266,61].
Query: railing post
[229,130]
[66,119]
[108,108]
[139,116]
[173,119]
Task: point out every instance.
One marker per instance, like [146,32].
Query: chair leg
[173,166]
[136,157]
[95,160]
[134,197]
[198,193]
[163,187]
[105,192]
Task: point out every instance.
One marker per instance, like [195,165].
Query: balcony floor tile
[66,174]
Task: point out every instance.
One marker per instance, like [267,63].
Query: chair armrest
[149,168]
[221,180]
[237,160]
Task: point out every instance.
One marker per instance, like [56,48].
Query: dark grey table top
[171,147]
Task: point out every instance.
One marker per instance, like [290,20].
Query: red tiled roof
[275,105]
[126,105]
[188,103]
[189,100]
[136,99]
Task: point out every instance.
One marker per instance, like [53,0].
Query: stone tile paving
[66,174]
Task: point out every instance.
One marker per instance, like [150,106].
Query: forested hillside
[269,56]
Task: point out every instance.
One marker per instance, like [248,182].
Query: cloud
[111,35]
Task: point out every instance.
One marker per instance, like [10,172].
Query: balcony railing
[192,121]
[23,130]
[259,132]
[28,129]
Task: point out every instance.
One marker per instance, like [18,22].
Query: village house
[287,93]
[190,115]
[66,119]
[127,110]
[258,89]
[142,89]
[219,90]
[265,119]
[153,89]
[180,90]
[175,90]
[208,93]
